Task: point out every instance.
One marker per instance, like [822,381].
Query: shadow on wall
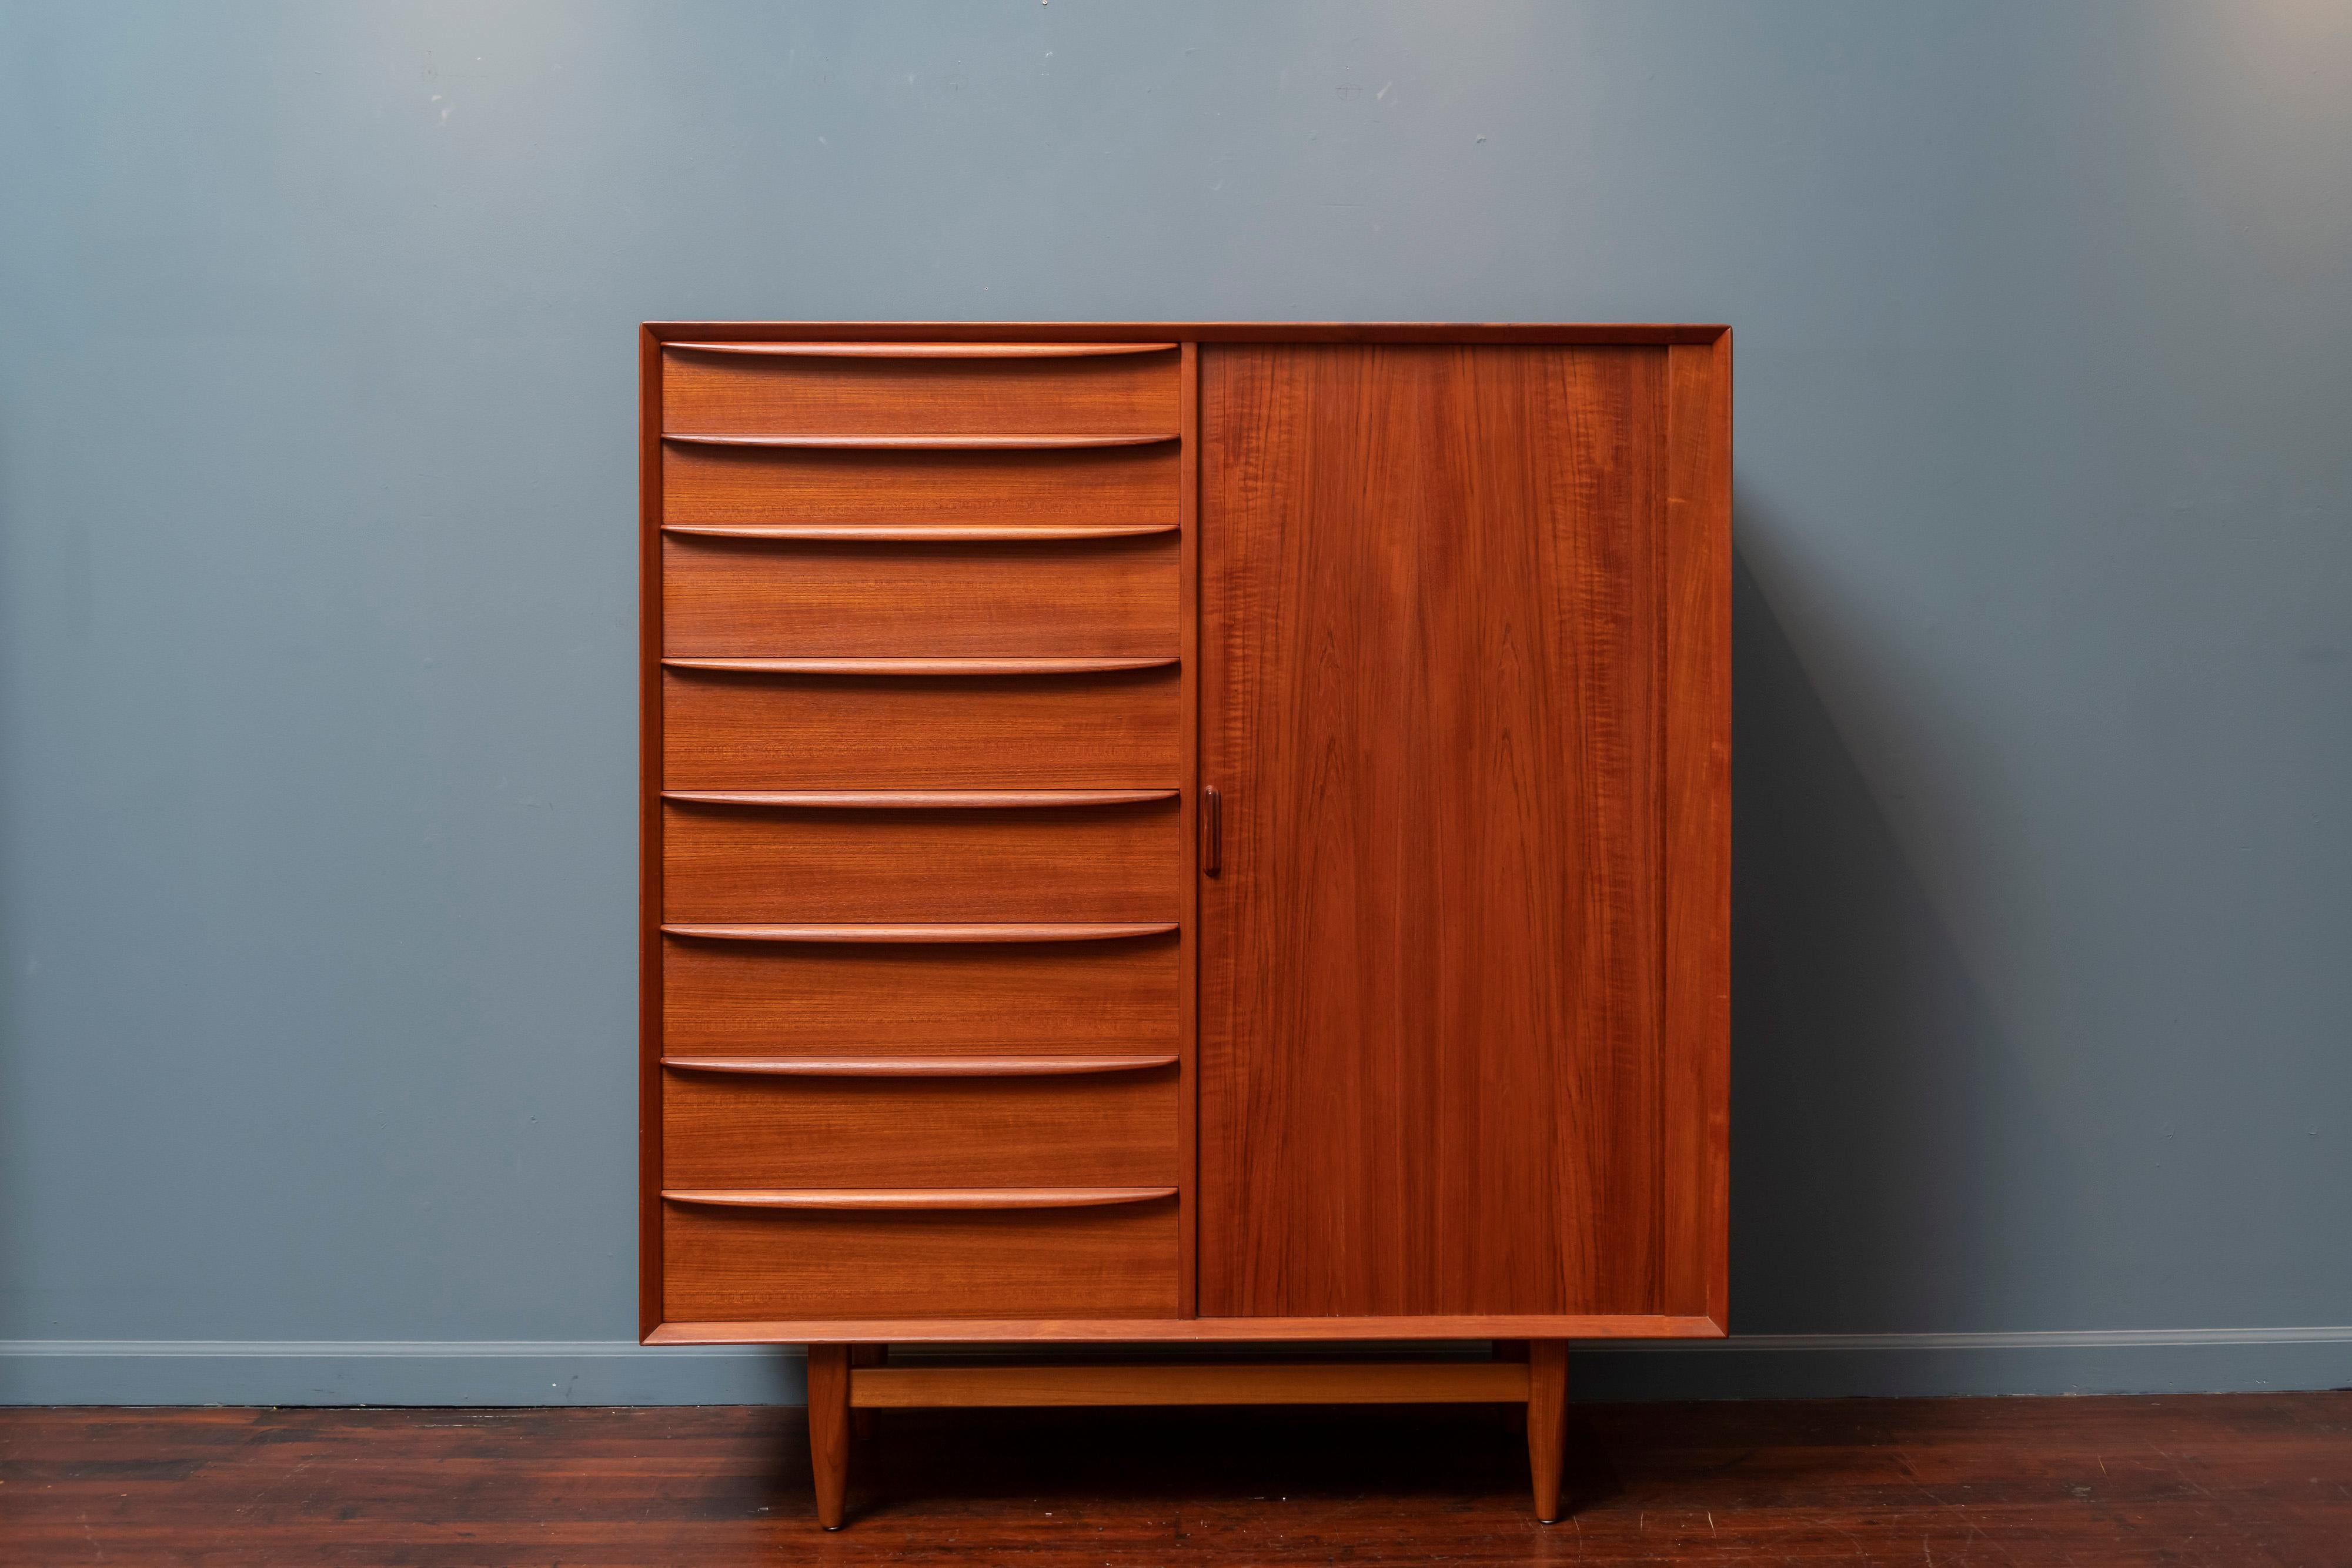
[1874,1090]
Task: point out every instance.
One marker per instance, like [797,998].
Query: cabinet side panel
[649,825]
[1188,512]
[1431,678]
[1697,1037]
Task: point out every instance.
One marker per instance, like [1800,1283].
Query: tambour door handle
[1212,831]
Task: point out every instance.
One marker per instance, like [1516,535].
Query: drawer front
[1091,863]
[1110,485]
[1105,598]
[727,1130]
[829,394]
[1116,1262]
[1111,730]
[835,1000]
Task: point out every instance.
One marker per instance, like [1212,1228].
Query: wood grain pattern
[2234,1481]
[1093,598]
[943,389]
[1082,864]
[975,350]
[726,998]
[1652,333]
[650,752]
[1412,1070]
[737,1264]
[1112,729]
[918,799]
[1431,638]
[1090,1130]
[1188,511]
[951,533]
[1697,1037]
[1547,1378]
[1025,442]
[1046,999]
[914,1066]
[1248,1383]
[828,1430]
[748,485]
[1037,1328]
[919,1199]
[924,933]
[963,667]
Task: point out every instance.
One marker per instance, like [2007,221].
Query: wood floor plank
[2213,1479]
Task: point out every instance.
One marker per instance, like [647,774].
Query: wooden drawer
[1124,485]
[1110,729]
[1064,390]
[856,999]
[1097,596]
[1116,1260]
[734,1130]
[1092,864]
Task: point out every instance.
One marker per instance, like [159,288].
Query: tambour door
[1447,597]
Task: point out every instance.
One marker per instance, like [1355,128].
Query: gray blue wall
[317,614]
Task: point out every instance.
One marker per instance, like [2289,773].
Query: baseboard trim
[2066,1361]
[391,1372]
[620,1372]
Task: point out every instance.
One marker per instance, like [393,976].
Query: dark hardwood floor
[2216,1478]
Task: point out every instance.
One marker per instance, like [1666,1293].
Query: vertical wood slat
[1696,1149]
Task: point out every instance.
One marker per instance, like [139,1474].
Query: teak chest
[1161,833]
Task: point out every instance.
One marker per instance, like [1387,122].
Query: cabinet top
[1191,332]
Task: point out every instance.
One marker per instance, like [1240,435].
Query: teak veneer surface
[1097,1331]
[1108,729]
[1031,442]
[1441,610]
[918,799]
[932,1066]
[925,533]
[1695,824]
[1429,974]
[1100,598]
[915,1199]
[1084,864]
[920,934]
[1116,1261]
[1241,1383]
[1120,394]
[1025,1131]
[758,999]
[1127,484]
[965,666]
[880,348]
[1001,335]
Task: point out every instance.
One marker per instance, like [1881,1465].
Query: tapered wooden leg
[828,1428]
[861,1422]
[1547,1420]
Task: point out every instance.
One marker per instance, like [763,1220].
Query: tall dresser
[1166,834]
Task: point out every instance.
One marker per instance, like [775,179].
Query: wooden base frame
[847,1383]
